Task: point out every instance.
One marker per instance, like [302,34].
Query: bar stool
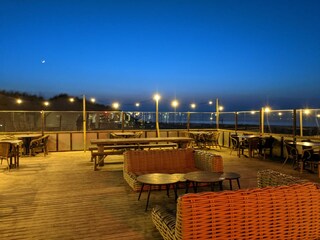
[231,176]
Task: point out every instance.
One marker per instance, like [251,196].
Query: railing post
[42,122]
[262,121]
[188,121]
[301,122]
[294,124]
[122,122]
[84,116]
[217,114]
[236,122]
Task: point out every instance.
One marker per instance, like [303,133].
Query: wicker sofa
[138,162]
[282,207]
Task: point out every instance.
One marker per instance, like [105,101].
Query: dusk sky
[246,53]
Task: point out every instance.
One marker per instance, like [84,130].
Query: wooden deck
[60,197]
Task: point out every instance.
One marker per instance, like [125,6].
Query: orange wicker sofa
[138,162]
[282,207]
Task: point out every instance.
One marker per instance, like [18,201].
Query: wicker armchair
[290,211]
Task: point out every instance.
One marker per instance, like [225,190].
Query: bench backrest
[283,212]
[152,160]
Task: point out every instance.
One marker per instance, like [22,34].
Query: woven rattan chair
[283,208]
[39,144]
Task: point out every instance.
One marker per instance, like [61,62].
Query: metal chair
[293,154]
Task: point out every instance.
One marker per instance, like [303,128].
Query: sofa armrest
[207,161]
[164,221]
[271,178]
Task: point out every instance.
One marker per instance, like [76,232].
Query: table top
[112,141]
[230,175]
[33,135]
[204,176]
[12,141]
[158,178]
[124,134]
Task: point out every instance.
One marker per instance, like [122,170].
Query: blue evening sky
[246,53]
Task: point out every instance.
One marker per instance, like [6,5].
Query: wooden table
[181,141]
[26,138]
[124,134]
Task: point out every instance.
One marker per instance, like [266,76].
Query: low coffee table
[158,179]
[204,177]
[232,176]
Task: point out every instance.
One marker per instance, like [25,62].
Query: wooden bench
[98,158]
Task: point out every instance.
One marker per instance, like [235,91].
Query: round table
[231,176]
[158,179]
[204,177]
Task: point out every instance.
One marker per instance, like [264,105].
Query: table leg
[100,157]
[220,184]
[230,184]
[167,188]
[141,191]
[175,188]
[148,197]
[238,181]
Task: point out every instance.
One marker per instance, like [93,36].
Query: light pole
[157,97]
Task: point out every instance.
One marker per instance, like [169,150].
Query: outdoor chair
[292,154]
[266,144]
[212,139]
[5,153]
[234,140]
[39,144]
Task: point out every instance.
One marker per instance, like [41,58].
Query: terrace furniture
[39,144]
[120,149]
[230,176]
[5,153]
[14,151]
[266,144]
[158,179]
[203,177]
[212,139]
[281,207]
[141,162]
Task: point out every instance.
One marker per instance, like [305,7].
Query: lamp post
[175,104]
[157,97]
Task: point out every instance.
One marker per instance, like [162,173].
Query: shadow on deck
[60,197]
